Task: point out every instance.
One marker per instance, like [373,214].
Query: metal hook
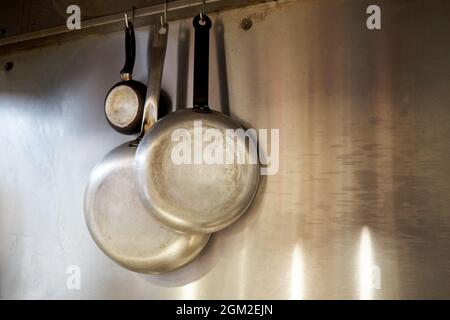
[132,17]
[202,11]
[126,20]
[164,18]
[163,29]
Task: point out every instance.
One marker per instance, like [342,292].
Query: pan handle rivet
[246,23]
[8,66]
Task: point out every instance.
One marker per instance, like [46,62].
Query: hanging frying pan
[124,103]
[196,197]
[115,216]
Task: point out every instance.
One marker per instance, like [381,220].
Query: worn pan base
[194,198]
[124,106]
[121,225]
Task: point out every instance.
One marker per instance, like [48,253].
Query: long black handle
[130,50]
[202,25]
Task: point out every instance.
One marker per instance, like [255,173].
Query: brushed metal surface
[364,181]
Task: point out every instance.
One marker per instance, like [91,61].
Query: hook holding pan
[164,18]
[126,20]
[202,11]
[132,17]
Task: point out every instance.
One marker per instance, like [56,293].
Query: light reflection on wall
[297,274]
[366,266]
[189,291]
[242,274]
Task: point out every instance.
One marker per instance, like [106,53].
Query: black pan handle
[202,25]
[130,52]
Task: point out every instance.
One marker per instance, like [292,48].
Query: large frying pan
[195,198]
[116,218]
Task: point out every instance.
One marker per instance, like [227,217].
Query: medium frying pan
[124,103]
[116,218]
[195,197]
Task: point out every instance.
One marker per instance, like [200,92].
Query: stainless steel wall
[363,186]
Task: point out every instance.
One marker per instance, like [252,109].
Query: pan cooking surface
[194,197]
[122,106]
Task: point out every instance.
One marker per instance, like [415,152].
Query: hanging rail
[177,10]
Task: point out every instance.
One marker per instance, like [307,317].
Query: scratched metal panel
[364,179]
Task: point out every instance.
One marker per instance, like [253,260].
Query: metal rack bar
[176,10]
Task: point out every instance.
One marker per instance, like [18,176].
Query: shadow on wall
[184,35]
[219,30]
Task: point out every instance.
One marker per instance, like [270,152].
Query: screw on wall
[8,66]
[246,23]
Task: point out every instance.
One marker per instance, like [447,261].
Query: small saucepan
[124,103]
